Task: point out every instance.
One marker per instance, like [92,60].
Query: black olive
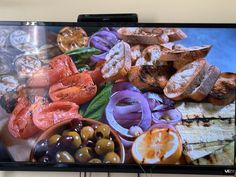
[40,149]
[88,143]
[44,159]
[51,151]
[76,125]
[64,142]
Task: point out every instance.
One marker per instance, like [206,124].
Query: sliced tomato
[21,123]
[53,113]
[58,68]
[78,88]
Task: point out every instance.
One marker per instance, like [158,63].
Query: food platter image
[119,95]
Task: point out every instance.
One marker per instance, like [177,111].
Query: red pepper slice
[47,115]
[58,68]
[96,74]
[78,88]
[21,123]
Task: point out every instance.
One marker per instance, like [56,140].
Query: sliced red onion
[100,43]
[111,29]
[126,143]
[145,121]
[127,108]
[173,114]
[96,58]
[109,36]
[103,40]
[124,86]
[128,120]
[154,96]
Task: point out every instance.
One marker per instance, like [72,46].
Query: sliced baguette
[146,36]
[182,83]
[175,34]
[136,52]
[223,92]
[182,56]
[210,76]
[150,77]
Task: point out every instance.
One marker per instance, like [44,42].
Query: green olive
[76,137]
[87,133]
[112,157]
[84,154]
[103,131]
[54,138]
[104,146]
[64,156]
[95,160]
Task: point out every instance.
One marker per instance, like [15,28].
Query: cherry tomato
[21,124]
[59,67]
[47,115]
[78,88]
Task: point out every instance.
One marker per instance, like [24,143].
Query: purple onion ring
[145,121]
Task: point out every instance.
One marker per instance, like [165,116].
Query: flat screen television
[117,97]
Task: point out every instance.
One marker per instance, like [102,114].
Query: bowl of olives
[78,141]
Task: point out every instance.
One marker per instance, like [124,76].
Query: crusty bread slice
[223,92]
[136,52]
[182,83]
[210,76]
[146,36]
[150,77]
[182,56]
[175,34]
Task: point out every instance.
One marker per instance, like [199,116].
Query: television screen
[114,98]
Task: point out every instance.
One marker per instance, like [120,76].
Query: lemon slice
[157,146]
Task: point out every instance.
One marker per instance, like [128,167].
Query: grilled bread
[150,36]
[181,55]
[149,77]
[209,78]
[223,92]
[182,83]
[195,80]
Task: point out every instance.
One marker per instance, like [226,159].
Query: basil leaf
[97,106]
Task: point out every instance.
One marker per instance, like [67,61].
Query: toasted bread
[182,83]
[175,34]
[182,56]
[136,52]
[149,77]
[146,36]
[223,92]
[180,52]
[150,56]
[210,76]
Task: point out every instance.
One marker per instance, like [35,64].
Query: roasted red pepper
[78,88]
[47,115]
[58,68]
[96,74]
[21,123]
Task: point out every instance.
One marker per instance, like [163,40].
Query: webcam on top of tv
[126,17]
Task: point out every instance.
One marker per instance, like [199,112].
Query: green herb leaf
[97,106]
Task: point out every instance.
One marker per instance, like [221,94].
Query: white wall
[221,11]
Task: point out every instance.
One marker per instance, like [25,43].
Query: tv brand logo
[230,171]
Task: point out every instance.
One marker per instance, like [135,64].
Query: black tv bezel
[123,168]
